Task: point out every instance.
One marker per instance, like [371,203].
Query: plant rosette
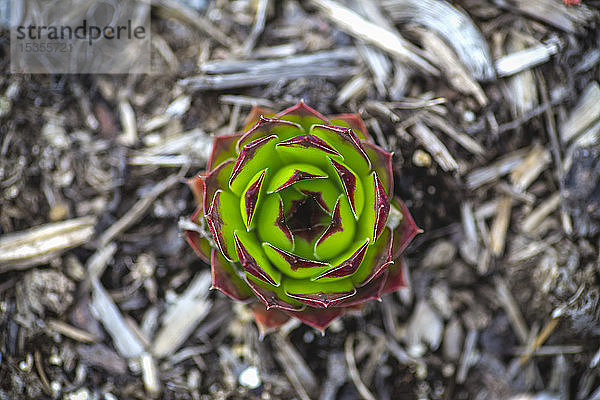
[302,217]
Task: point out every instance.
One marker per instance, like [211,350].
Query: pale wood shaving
[437,149]
[38,245]
[500,226]
[353,370]
[370,32]
[585,113]
[546,208]
[106,311]
[183,316]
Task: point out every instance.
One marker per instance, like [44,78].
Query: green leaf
[266,127]
[291,174]
[223,219]
[305,286]
[345,142]
[378,254]
[277,291]
[255,157]
[308,149]
[352,185]
[251,199]
[340,232]
[366,222]
[217,179]
[270,223]
[345,265]
[253,259]
[293,265]
[304,248]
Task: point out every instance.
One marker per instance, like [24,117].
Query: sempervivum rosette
[302,217]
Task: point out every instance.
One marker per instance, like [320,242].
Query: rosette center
[307,218]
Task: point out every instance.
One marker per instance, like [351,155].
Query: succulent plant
[302,217]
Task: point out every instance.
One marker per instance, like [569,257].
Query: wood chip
[454,71]
[305,375]
[546,208]
[353,369]
[551,350]
[182,12]
[451,24]
[509,304]
[38,245]
[500,226]
[107,312]
[376,60]
[493,171]
[338,56]
[525,59]
[469,247]
[468,356]
[179,149]
[129,135]
[461,138]
[530,168]
[353,88]
[522,89]
[150,375]
[385,39]
[183,316]
[246,101]
[96,264]
[585,113]
[70,331]
[335,64]
[39,366]
[337,375]
[295,367]
[437,149]
[161,45]
[555,13]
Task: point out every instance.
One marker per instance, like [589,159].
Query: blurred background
[492,110]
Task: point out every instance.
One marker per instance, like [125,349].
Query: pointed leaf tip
[382,208]
[251,197]
[225,279]
[264,127]
[224,147]
[302,110]
[296,262]
[348,180]
[268,320]
[309,141]
[406,230]
[347,267]
[215,224]
[247,154]
[321,299]
[346,135]
[318,318]
[395,277]
[250,264]
[270,299]
[355,122]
